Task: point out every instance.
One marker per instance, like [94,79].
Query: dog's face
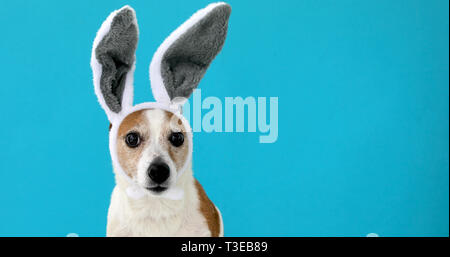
[152,147]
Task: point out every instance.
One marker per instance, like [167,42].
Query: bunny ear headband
[175,71]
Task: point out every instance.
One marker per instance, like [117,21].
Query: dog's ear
[182,59]
[113,61]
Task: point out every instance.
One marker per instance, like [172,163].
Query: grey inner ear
[116,54]
[185,62]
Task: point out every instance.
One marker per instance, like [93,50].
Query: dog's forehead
[132,121]
[156,119]
[148,119]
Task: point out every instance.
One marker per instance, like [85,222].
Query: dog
[151,144]
[152,152]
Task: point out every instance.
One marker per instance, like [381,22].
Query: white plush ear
[113,61]
[183,58]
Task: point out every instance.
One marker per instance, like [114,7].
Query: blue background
[363,141]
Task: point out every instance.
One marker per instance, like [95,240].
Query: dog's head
[147,141]
[152,147]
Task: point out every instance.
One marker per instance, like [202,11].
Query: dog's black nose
[159,172]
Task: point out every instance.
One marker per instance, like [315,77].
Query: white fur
[156,80]
[221,222]
[153,216]
[154,150]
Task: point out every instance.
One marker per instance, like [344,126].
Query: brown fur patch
[177,154]
[129,157]
[208,210]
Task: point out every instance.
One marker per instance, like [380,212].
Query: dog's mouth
[157,189]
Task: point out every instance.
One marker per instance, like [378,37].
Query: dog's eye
[133,139]
[176,139]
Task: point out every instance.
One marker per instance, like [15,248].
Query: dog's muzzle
[158,172]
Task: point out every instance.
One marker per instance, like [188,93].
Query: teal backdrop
[363,97]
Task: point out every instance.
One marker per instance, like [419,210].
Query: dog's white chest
[155,217]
